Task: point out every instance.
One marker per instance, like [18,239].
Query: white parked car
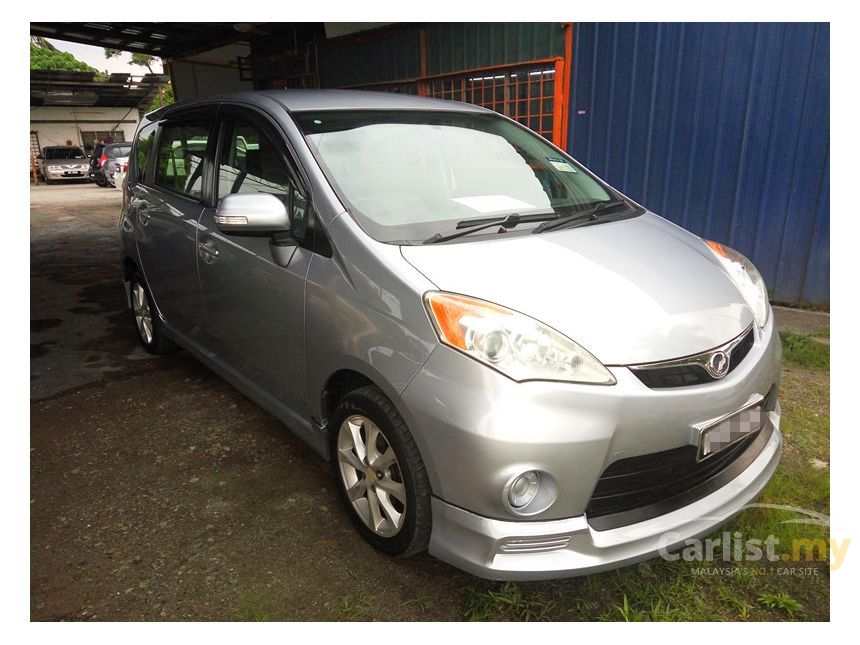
[117,175]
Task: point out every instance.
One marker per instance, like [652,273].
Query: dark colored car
[103,159]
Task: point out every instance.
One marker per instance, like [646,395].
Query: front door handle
[207,251]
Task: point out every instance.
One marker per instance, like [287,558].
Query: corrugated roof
[80,89]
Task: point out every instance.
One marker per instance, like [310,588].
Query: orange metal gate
[532,93]
[535,93]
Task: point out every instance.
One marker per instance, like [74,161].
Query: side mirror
[252,213]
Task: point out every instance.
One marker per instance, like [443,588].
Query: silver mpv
[505,360]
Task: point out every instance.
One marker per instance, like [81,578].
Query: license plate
[729,430]
[72,174]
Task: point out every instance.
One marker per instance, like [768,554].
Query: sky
[95,56]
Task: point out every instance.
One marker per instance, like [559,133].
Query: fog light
[524,489]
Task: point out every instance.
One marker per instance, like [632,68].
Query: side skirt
[305,429]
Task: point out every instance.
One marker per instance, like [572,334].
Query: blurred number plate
[731,429]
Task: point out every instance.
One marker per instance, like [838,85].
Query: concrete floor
[160,492]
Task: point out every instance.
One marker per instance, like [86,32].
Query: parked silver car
[62,162]
[505,360]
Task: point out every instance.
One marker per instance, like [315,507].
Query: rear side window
[181,150]
[118,151]
[144,147]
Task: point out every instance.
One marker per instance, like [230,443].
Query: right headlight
[746,278]
[515,344]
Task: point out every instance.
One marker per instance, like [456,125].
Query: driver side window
[250,163]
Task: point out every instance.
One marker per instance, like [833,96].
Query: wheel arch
[345,380]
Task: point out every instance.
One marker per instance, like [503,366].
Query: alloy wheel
[142,312]
[371,475]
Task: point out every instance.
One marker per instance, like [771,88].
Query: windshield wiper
[579,218]
[468,226]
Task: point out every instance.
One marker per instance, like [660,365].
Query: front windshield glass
[409,174]
[65,153]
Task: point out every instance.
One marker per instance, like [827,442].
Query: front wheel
[382,482]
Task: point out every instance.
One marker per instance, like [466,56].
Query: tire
[151,335]
[362,412]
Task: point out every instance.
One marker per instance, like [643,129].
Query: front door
[255,304]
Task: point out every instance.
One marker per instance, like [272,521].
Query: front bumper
[511,550]
[476,429]
[58,172]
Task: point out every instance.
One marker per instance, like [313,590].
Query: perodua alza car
[504,359]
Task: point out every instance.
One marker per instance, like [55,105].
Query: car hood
[66,162]
[630,291]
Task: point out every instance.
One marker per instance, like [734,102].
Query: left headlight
[746,278]
[515,344]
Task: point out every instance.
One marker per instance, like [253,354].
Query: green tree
[42,42]
[49,58]
[143,60]
[164,97]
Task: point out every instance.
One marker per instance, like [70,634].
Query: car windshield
[64,153]
[409,174]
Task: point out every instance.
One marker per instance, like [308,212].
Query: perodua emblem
[718,364]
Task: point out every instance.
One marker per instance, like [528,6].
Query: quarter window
[143,149]
[181,151]
[250,163]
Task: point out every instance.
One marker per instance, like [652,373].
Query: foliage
[507,602]
[49,58]
[44,43]
[810,350]
[165,97]
[137,58]
[252,609]
[781,600]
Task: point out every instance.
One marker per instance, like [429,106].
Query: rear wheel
[382,481]
[150,330]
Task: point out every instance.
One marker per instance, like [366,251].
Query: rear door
[255,304]
[166,207]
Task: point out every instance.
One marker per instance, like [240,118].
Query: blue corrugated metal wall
[722,128]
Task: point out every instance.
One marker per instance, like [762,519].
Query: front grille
[685,374]
[640,488]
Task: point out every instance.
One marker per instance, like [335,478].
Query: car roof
[313,100]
